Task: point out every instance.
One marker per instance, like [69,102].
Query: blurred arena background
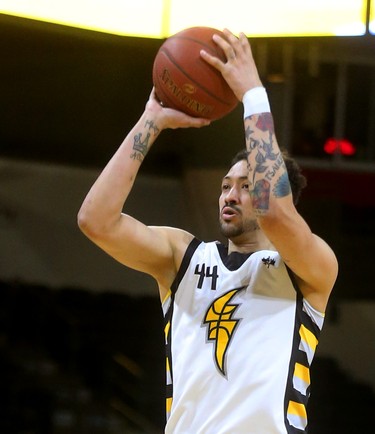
[81,340]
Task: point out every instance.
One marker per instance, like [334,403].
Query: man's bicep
[318,279]
[315,266]
[315,263]
[307,255]
[137,246]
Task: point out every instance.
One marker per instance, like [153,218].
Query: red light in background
[341,146]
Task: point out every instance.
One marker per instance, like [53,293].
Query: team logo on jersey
[221,326]
[269,261]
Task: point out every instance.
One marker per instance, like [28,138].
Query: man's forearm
[103,204]
[267,172]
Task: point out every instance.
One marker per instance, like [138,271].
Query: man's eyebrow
[241,178]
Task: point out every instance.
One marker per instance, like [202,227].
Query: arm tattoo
[274,168]
[265,123]
[282,186]
[261,196]
[248,133]
[153,127]
[265,162]
[141,147]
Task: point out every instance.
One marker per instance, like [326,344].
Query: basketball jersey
[240,339]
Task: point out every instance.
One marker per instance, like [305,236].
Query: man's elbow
[98,228]
[87,223]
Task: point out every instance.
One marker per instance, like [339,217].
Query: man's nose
[232,196]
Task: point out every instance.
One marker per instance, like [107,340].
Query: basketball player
[242,321]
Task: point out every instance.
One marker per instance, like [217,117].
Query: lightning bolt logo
[221,325]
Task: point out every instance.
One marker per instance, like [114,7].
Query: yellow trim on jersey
[297,409]
[166,329]
[318,312]
[308,337]
[167,295]
[168,403]
[302,372]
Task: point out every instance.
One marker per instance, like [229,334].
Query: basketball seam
[194,81]
[199,41]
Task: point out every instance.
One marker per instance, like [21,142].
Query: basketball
[185,82]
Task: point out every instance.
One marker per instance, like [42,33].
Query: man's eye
[245,186]
[225,187]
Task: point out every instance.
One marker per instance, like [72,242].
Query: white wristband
[255,101]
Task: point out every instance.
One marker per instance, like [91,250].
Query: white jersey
[240,339]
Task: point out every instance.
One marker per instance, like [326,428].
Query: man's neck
[248,243]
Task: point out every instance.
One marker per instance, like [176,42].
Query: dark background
[75,361]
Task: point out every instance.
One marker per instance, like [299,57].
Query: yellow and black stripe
[168,322]
[305,341]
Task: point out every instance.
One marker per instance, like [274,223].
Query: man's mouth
[229,211]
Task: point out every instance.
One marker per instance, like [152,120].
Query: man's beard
[230,230]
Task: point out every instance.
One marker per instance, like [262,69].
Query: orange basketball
[184,81]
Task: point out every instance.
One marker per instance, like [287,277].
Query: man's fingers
[227,45]
[212,60]
[231,37]
[227,48]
